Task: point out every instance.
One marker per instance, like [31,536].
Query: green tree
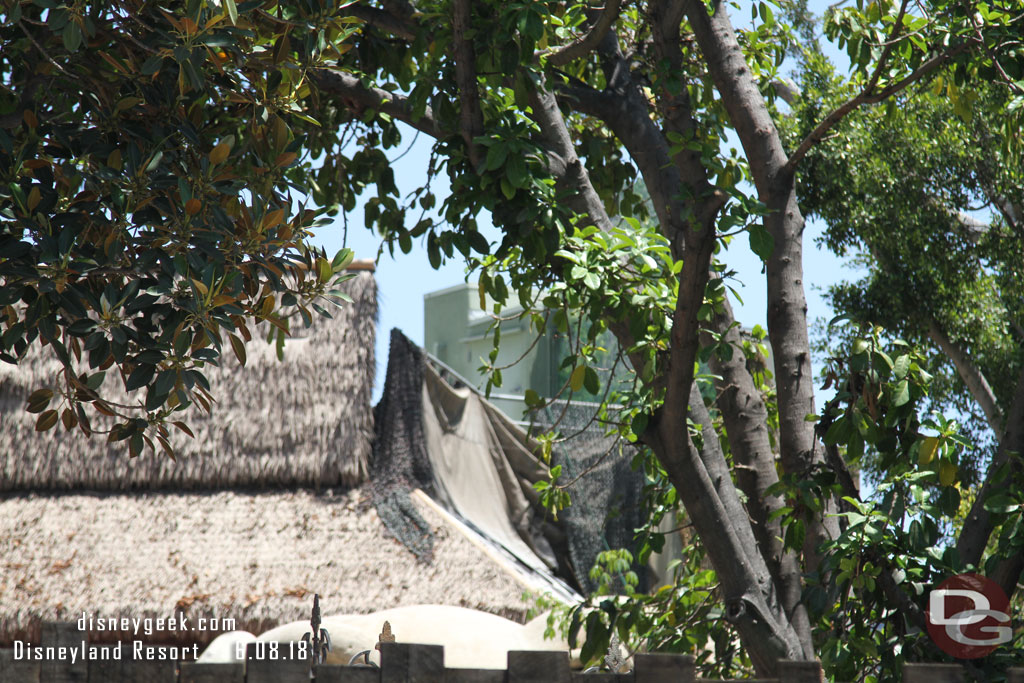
[544,113]
[938,189]
[531,106]
[148,158]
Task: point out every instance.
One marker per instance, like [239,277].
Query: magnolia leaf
[46,420]
[238,346]
[220,153]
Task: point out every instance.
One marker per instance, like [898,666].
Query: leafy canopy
[149,200]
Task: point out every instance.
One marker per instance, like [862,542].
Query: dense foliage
[544,114]
[147,203]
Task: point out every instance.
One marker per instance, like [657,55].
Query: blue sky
[403,279]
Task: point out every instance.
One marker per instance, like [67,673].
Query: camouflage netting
[399,462]
[607,500]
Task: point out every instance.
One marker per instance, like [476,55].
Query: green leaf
[1001,504]
[901,366]
[140,377]
[232,9]
[342,259]
[516,171]
[761,242]
[72,36]
[478,242]
[577,377]
[902,394]
[496,155]
[433,252]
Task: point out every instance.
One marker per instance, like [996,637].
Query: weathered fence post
[474,676]
[408,663]
[793,671]
[275,663]
[60,669]
[663,668]
[193,672]
[525,666]
[131,670]
[933,673]
[333,673]
[17,671]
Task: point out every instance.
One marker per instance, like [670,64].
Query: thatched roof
[257,557]
[305,421]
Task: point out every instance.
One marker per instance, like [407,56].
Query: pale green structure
[459,334]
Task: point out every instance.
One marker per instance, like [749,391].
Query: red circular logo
[968,616]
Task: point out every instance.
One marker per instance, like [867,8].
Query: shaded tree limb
[571,171]
[1008,573]
[359,97]
[972,376]
[625,114]
[403,28]
[787,305]
[471,119]
[585,44]
[746,426]
[978,525]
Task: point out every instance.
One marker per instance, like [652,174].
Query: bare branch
[584,45]
[39,47]
[787,303]
[746,426]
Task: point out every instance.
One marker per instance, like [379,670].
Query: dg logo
[968,616]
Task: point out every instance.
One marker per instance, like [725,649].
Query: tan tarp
[480,475]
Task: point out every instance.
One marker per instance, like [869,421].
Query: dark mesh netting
[607,500]
[400,461]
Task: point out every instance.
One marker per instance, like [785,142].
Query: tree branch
[866,96]
[746,427]
[718,470]
[978,525]
[386,21]
[552,125]
[360,97]
[972,376]
[471,119]
[584,45]
[787,304]
[1008,573]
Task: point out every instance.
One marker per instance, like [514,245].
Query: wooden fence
[400,663]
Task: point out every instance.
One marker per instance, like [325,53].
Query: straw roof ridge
[304,421]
